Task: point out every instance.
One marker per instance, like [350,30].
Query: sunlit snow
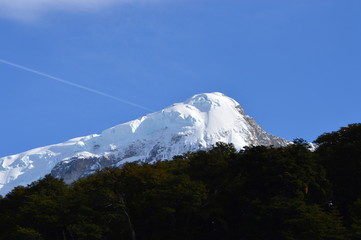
[197,123]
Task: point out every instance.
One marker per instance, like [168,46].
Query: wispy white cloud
[34,9]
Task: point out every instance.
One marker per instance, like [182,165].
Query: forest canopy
[258,193]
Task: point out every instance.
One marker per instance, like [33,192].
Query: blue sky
[295,66]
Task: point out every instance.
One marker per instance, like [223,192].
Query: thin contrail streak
[74,85]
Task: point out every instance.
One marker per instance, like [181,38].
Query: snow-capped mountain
[197,123]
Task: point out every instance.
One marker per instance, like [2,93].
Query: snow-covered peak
[197,123]
[206,101]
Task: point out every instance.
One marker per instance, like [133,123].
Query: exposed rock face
[197,123]
[262,137]
[75,168]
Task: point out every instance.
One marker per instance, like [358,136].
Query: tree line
[258,193]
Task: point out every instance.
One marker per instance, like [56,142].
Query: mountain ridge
[197,123]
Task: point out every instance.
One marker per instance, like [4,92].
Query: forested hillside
[259,193]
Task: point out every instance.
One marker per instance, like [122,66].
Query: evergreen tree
[288,193]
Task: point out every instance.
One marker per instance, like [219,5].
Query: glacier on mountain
[197,123]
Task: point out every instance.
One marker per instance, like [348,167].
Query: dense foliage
[259,193]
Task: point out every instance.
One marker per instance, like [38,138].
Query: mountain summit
[198,123]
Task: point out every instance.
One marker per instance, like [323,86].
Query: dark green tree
[340,155]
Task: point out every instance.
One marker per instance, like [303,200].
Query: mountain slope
[195,124]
